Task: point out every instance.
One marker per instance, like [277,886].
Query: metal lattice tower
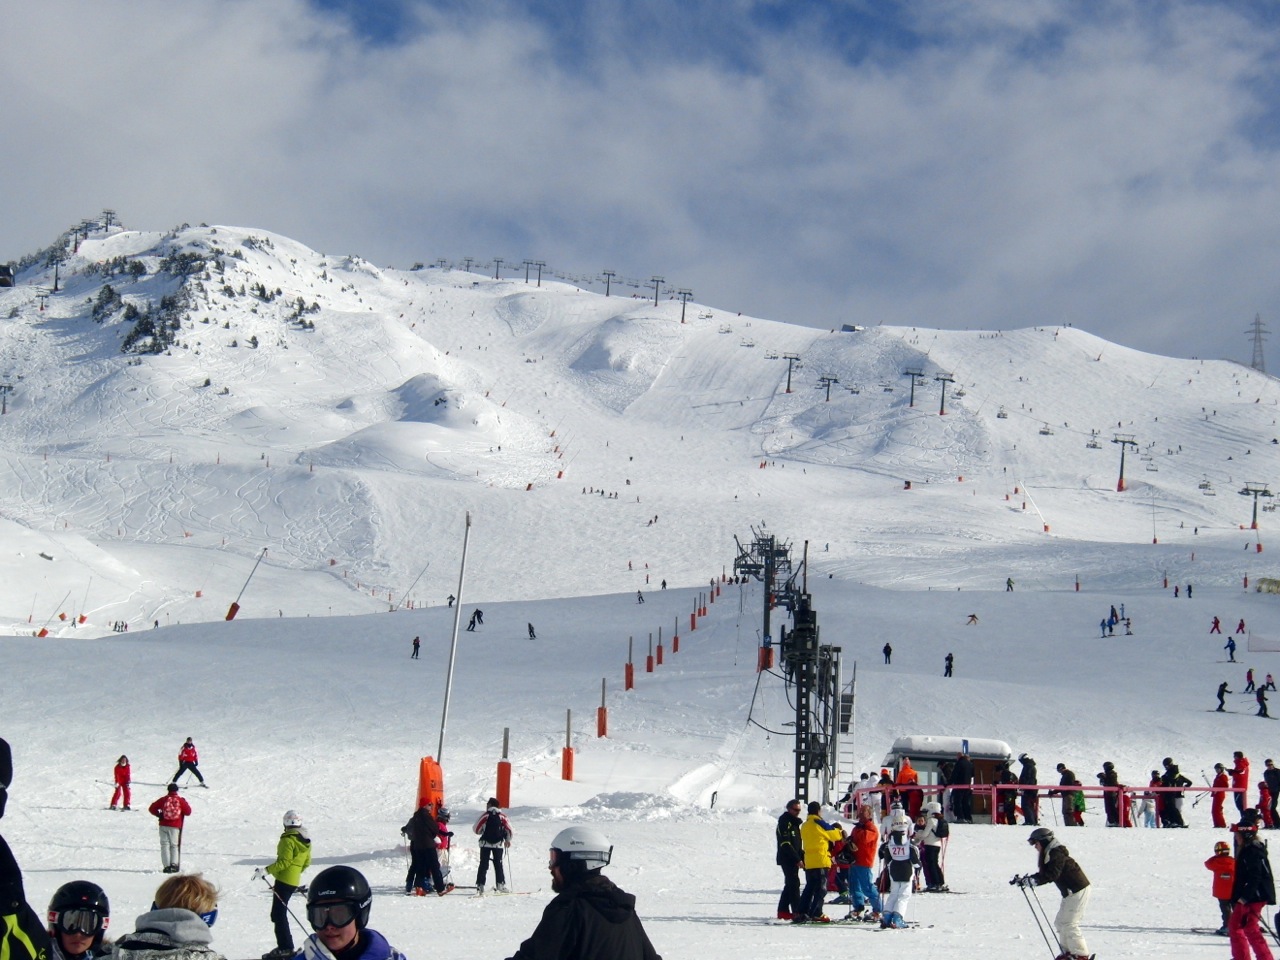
[1259,362]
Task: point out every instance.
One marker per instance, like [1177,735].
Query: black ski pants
[424,870]
[789,902]
[280,914]
[183,767]
[485,854]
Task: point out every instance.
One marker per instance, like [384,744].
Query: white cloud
[1013,169]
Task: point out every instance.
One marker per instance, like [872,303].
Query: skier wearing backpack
[494,831]
[931,830]
[293,855]
[171,810]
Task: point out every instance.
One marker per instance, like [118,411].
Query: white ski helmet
[586,846]
[933,806]
[292,818]
[900,823]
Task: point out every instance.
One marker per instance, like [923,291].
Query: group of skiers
[840,860]
[589,919]
[1243,886]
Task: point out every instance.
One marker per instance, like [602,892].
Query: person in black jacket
[1252,889]
[790,858]
[22,931]
[1271,776]
[1030,798]
[1171,803]
[6,773]
[590,917]
[424,859]
[962,799]
[1111,799]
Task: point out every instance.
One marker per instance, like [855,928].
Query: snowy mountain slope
[344,416]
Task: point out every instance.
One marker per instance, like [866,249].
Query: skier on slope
[901,860]
[1222,697]
[1240,771]
[1221,784]
[1055,865]
[123,777]
[188,759]
[79,915]
[423,830]
[494,830]
[1223,865]
[1271,774]
[866,847]
[1252,889]
[931,831]
[790,857]
[171,810]
[293,856]
[1031,797]
[816,836]
[1111,799]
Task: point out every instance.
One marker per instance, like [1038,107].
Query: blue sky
[957,163]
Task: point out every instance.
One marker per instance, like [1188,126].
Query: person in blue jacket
[338,903]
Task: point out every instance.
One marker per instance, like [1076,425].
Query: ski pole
[1196,802]
[284,903]
[1263,920]
[1018,882]
[1035,897]
[511,873]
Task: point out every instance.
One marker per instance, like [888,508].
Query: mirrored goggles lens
[323,915]
[87,922]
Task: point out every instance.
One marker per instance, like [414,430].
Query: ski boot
[503,888]
[447,888]
[842,899]
[785,915]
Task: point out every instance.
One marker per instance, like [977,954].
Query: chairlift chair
[1045,431]
[1002,414]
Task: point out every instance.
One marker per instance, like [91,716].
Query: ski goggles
[323,915]
[87,922]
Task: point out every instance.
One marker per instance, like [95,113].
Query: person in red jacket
[171,810]
[1240,780]
[188,759]
[123,779]
[1223,865]
[1220,785]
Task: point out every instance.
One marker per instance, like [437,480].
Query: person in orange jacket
[866,848]
[1223,865]
[908,788]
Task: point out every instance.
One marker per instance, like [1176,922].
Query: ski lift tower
[1255,490]
[792,359]
[944,379]
[813,668]
[917,379]
[1125,440]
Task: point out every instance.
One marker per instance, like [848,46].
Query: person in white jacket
[932,831]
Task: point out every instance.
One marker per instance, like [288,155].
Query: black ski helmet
[342,884]
[80,895]
[1040,835]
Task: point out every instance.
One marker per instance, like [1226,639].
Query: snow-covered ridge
[345,415]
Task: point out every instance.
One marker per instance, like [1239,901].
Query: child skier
[901,860]
[932,831]
[1223,866]
[293,856]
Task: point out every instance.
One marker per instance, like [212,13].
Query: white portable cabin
[927,753]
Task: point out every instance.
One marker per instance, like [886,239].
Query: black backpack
[494,831]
